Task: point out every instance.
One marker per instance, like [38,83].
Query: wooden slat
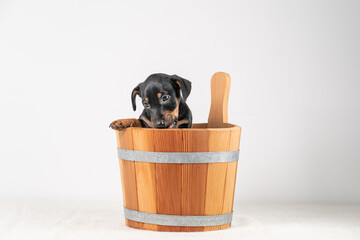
[129,182]
[215,187]
[168,191]
[146,187]
[194,177]
[231,173]
[127,170]
[145,176]
[124,139]
[193,194]
[168,176]
[229,187]
[216,175]
[234,140]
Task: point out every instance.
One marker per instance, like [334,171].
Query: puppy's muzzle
[160,124]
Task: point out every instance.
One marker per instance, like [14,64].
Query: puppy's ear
[183,85]
[135,92]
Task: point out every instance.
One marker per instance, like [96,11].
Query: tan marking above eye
[147,99]
[159,95]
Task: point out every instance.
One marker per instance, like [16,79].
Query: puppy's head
[161,94]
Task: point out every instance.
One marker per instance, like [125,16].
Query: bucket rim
[198,127]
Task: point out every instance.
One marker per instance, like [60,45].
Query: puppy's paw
[121,124]
[117,125]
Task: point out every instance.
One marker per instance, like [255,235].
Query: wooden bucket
[181,180]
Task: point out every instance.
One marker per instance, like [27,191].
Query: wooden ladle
[220,88]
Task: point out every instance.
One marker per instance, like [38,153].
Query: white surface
[67,69]
[44,219]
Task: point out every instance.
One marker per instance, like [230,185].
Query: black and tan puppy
[164,99]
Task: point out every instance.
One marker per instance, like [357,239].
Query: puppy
[164,99]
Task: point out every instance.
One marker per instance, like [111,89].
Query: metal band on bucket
[178,157]
[177,220]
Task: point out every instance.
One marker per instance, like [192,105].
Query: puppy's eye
[165,98]
[146,105]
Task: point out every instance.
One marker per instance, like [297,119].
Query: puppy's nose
[160,123]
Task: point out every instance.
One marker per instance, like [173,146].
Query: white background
[67,69]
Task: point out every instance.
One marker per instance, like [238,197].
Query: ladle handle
[220,88]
